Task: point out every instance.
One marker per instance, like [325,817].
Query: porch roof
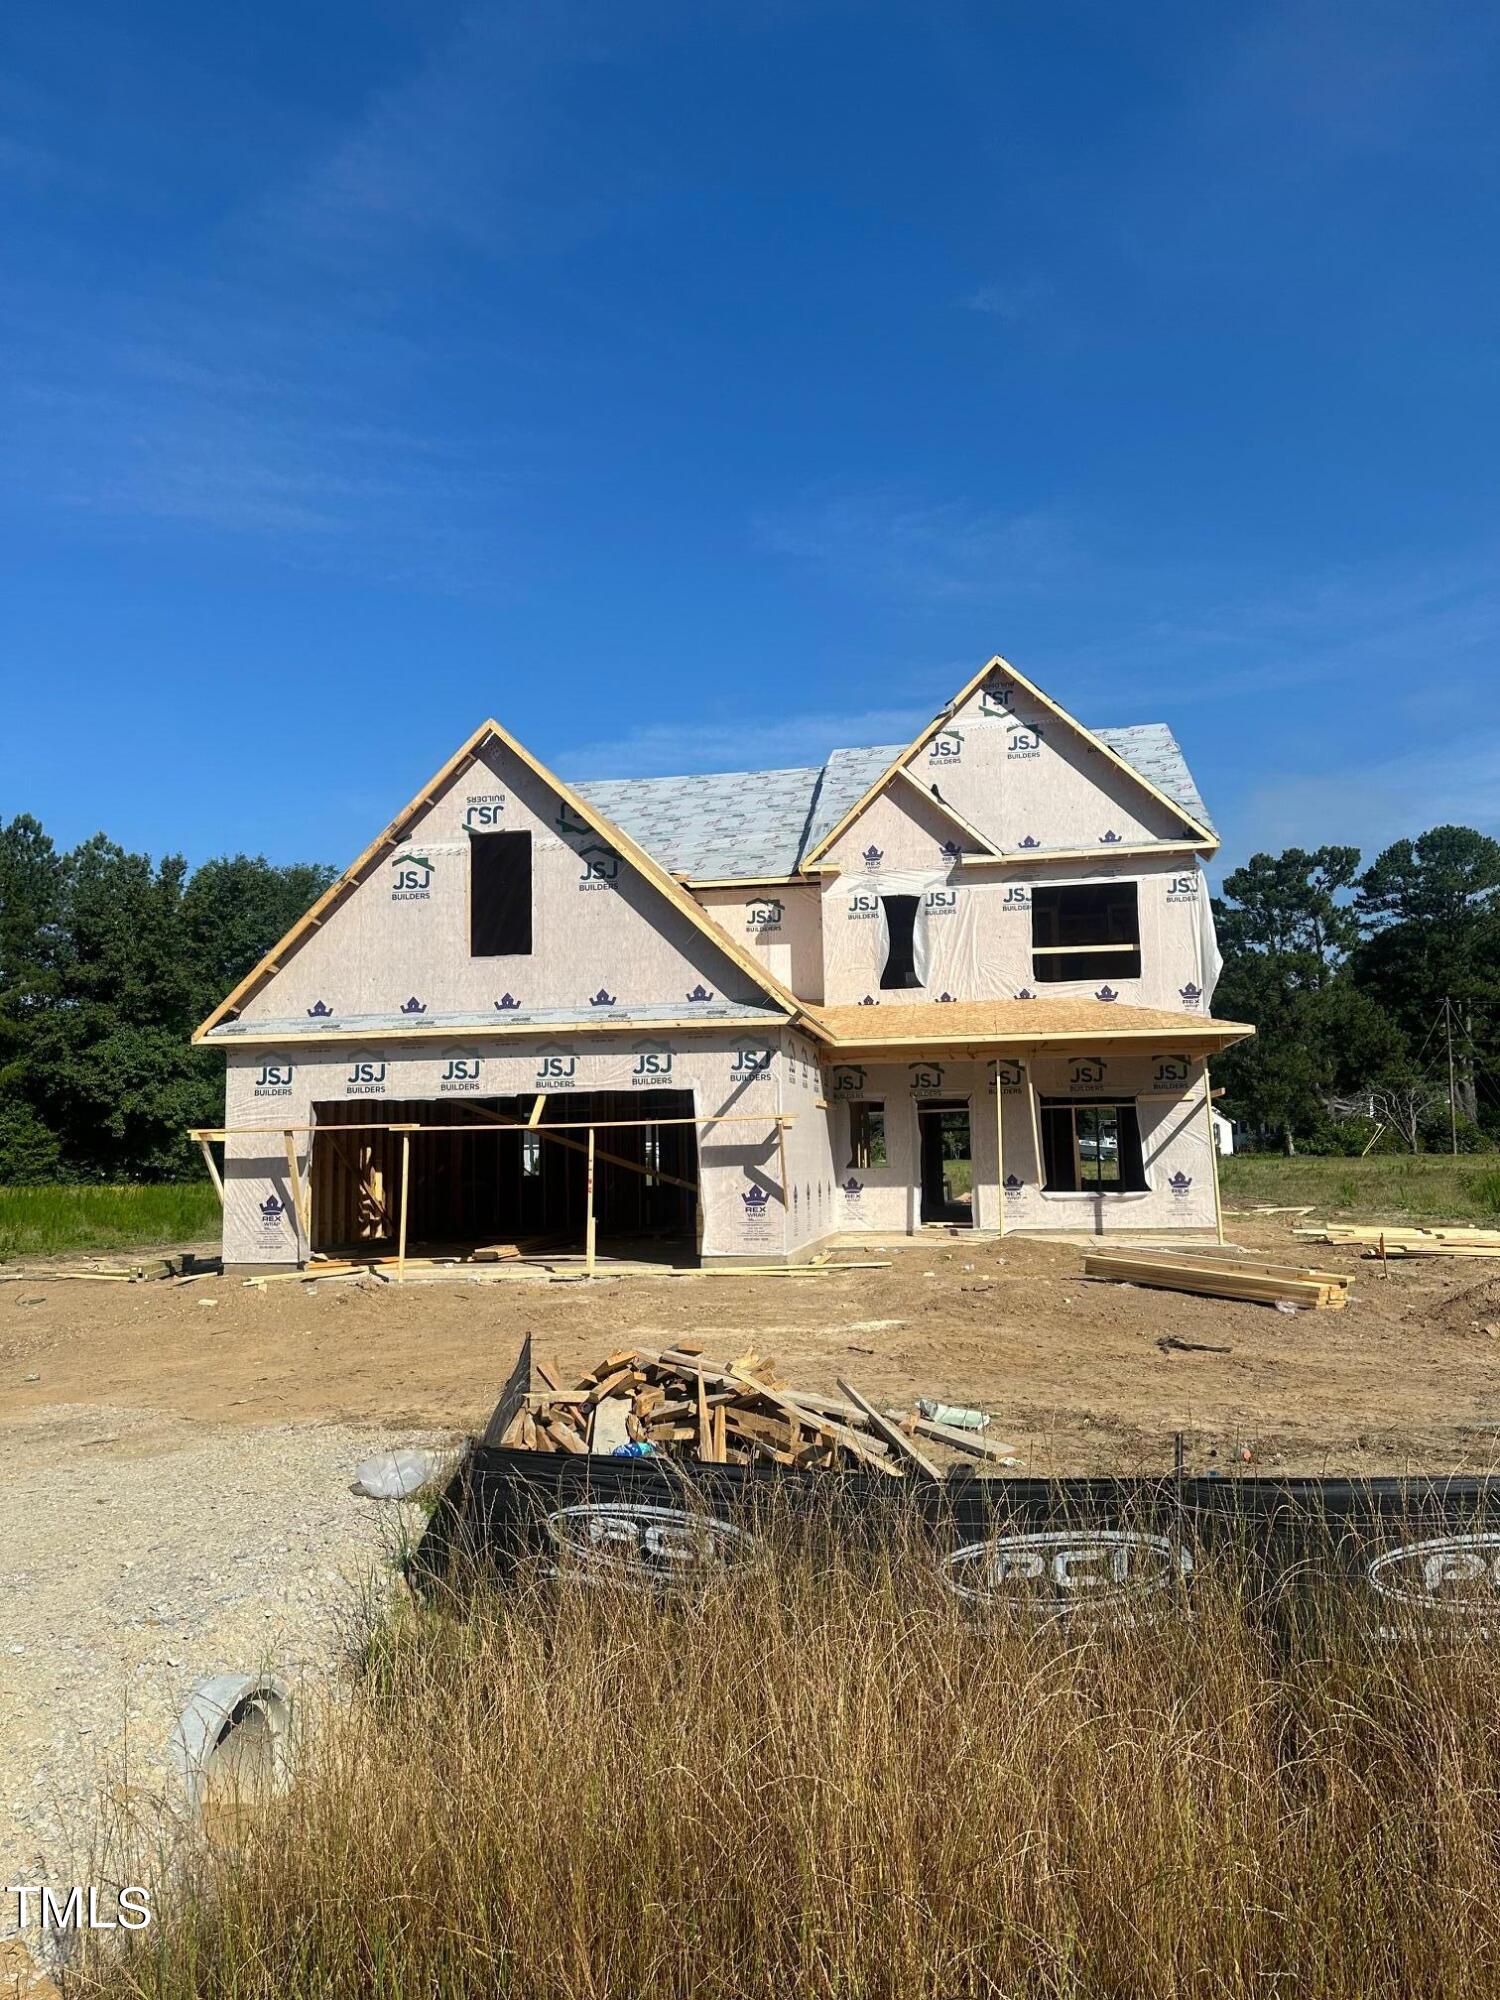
[1018,1024]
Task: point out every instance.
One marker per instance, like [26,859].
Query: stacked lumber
[1222,1278]
[675,1404]
[178,1265]
[1389,1239]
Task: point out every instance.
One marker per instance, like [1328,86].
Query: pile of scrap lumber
[1222,1277]
[183,1265]
[677,1405]
[1389,1239]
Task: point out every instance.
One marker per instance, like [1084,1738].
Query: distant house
[1223,1132]
[965,980]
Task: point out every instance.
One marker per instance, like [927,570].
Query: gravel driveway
[138,1552]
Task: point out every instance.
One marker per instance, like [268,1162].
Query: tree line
[108,961]
[1363,984]
[1359,981]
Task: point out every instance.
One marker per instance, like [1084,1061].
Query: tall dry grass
[829,1778]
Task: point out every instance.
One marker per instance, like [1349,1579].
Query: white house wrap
[964,981]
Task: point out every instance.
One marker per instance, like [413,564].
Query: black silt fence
[1419,1554]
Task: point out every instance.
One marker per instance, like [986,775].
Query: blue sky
[698,386]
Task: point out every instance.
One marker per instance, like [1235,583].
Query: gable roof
[762,825]
[1000,664]
[1151,749]
[590,816]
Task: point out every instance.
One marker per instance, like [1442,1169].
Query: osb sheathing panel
[782,927]
[979,933]
[1174,1139]
[403,933]
[745,1209]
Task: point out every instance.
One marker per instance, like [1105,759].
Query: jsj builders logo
[484,809]
[995,701]
[1169,1070]
[947,747]
[1016,901]
[411,879]
[557,1068]
[1023,739]
[601,866]
[273,1080]
[863,907]
[460,1073]
[652,1065]
[846,1080]
[1087,1072]
[1008,1075]
[765,914]
[365,1079]
[750,1062]
[1182,889]
[941,902]
[926,1079]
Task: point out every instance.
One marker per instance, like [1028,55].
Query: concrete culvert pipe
[232,1740]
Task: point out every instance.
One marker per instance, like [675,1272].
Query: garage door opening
[498,1179]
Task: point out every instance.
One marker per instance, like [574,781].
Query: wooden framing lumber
[1250,1267]
[213,1169]
[1219,1278]
[405,1201]
[1406,1252]
[497,1125]
[1213,1153]
[299,1200]
[588,1212]
[555,1136]
[972,1443]
[1000,1151]
[893,1434]
[861,1447]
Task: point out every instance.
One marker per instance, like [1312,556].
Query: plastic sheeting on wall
[976,929]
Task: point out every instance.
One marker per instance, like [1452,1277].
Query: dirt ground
[1408,1376]
[175,1460]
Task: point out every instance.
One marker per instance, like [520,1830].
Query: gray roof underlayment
[750,824]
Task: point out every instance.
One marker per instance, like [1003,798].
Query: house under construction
[964,981]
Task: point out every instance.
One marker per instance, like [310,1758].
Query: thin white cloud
[896,546]
[476,149]
[727,743]
[1011,300]
[1456,783]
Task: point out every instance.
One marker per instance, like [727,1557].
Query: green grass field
[1428,1188]
[51,1221]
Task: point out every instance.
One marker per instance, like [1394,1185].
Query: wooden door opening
[947,1161]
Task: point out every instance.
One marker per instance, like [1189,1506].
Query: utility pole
[1452,1093]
